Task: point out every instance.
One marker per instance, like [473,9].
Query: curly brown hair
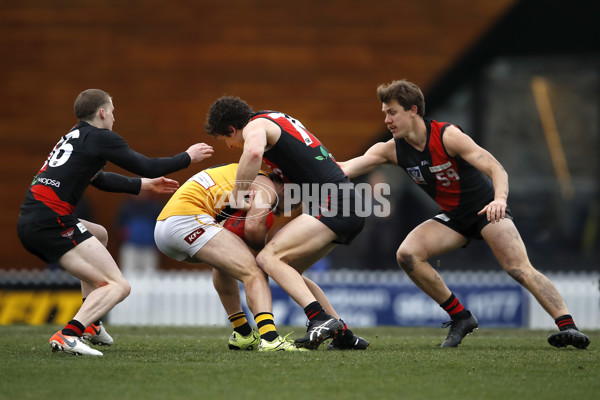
[406,93]
[225,112]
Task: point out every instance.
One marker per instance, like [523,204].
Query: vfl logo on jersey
[191,238]
[415,174]
[68,234]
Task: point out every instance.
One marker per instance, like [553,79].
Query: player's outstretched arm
[160,185]
[199,152]
[378,154]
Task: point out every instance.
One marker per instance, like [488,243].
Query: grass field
[401,363]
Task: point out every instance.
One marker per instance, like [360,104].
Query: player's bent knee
[254,275]
[262,260]
[124,289]
[521,274]
[405,260]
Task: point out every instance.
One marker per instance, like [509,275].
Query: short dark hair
[406,93]
[275,178]
[88,102]
[225,112]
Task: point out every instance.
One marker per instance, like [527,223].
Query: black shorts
[50,239]
[469,226]
[339,215]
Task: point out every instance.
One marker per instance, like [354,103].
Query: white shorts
[181,236]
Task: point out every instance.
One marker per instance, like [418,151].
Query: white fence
[171,298]
[188,298]
[581,292]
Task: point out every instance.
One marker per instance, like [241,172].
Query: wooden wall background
[164,63]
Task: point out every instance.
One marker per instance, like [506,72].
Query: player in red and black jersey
[48,229]
[298,157]
[471,188]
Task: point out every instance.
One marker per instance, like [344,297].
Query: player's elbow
[344,167]
[254,153]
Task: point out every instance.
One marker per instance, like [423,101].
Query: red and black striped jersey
[454,184]
[298,156]
[77,161]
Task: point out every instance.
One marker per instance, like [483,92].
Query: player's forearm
[248,169]
[500,182]
[255,231]
[357,166]
[116,183]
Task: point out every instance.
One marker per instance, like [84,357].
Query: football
[237,221]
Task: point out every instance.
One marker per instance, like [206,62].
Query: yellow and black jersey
[207,192]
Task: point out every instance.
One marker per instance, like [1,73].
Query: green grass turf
[401,363]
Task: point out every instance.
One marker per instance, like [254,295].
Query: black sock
[73,328]
[240,323]
[565,322]
[266,326]
[315,311]
[455,309]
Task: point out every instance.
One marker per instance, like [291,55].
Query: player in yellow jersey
[188,230]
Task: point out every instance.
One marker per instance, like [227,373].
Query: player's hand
[495,211]
[242,201]
[199,152]
[160,185]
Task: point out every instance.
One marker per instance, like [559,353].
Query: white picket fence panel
[171,298]
[189,299]
[581,293]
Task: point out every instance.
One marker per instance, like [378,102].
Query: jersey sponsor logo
[325,154]
[438,168]
[47,182]
[203,179]
[68,233]
[415,174]
[192,237]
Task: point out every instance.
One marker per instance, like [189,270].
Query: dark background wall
[165,63]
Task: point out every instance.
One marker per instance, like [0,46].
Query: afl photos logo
[220,197]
